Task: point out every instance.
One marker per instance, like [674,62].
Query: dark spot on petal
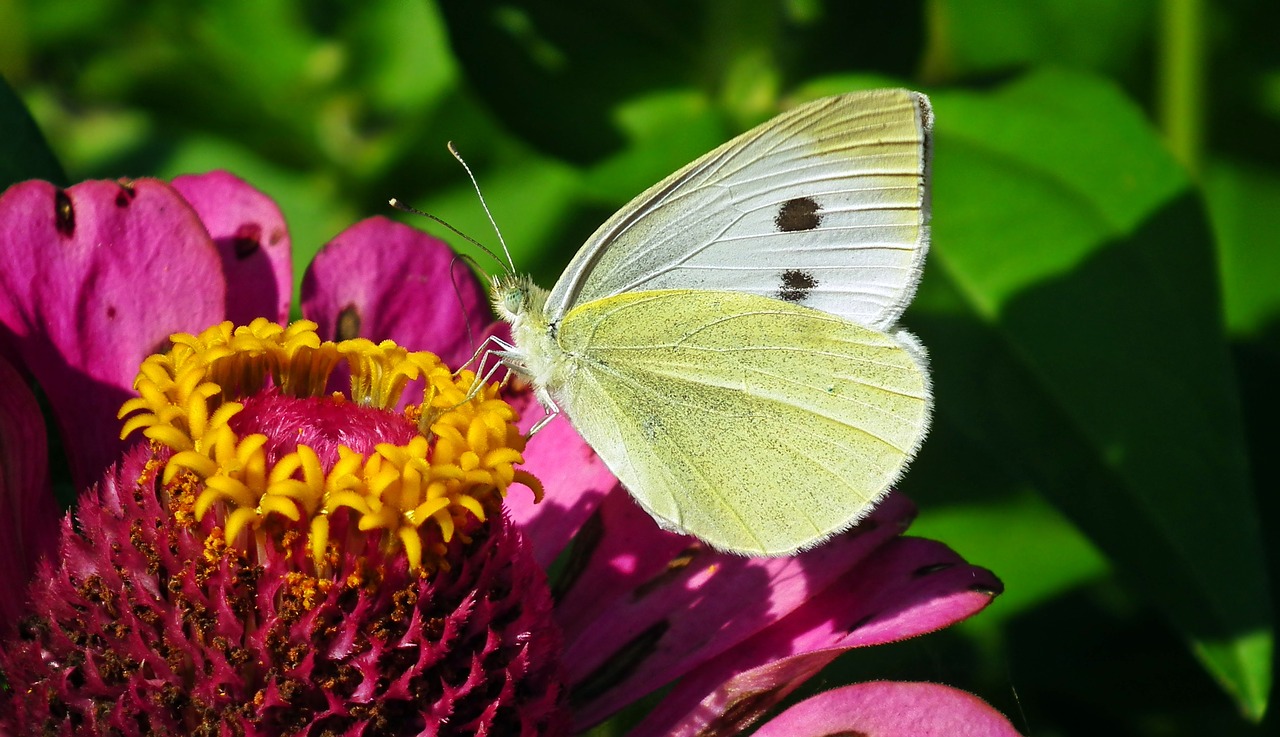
[126,193]
[930,569]
[674,567]
[619,665]
[64,215]
[247,240]
[744,710]
[798,214]
[277,235]
[581,550]
[796,285]
[348,324]
[861,623]
[865,527]
[111,312]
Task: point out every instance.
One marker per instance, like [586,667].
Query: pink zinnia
[278,559]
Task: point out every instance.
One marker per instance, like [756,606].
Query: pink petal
[619,557]
[92,280]
[905,588]
[687,614]
[574,477]
[885,709]
[252,238]
[379,279]
[27,508]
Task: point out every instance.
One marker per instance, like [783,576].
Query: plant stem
[1181,79]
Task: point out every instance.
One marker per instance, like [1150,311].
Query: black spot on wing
[802,213]
[796,285]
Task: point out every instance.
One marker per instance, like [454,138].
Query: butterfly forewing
[757,425]
[824,206]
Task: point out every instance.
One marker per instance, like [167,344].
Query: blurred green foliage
[1102,302]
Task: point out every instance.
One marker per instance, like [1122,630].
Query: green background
[1101,302]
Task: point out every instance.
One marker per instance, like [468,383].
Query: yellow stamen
[415,495]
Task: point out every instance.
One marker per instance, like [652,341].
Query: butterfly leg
[553,411]
[482,353]
[485,371]
[503,352]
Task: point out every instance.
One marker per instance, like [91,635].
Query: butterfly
[727,342]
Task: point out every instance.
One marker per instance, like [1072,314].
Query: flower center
[246,429]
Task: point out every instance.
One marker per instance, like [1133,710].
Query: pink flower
[292,636]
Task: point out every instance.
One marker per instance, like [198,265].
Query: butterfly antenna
[402,207]
[457,291]
[510,262]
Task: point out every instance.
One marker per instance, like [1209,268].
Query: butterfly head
[516,297]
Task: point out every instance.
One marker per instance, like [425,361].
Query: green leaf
[23,151]
[664,131]
[1072,312]
[974,37]
[1243,201]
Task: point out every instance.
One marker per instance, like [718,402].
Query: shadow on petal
[906,587]
[707,606]
[26,501]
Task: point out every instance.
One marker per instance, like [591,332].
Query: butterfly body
[520,302]
[727,342]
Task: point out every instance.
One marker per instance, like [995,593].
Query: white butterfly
[728,341]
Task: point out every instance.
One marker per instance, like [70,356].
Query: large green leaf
[23,151]
[1243,200]
[1072,310]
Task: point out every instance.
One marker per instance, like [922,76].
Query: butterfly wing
[825,206]
[757,425]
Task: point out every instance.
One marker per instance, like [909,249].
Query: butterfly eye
[514,301]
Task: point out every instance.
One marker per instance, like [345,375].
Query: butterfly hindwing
[757,425]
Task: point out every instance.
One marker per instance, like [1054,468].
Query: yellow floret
[416,495]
